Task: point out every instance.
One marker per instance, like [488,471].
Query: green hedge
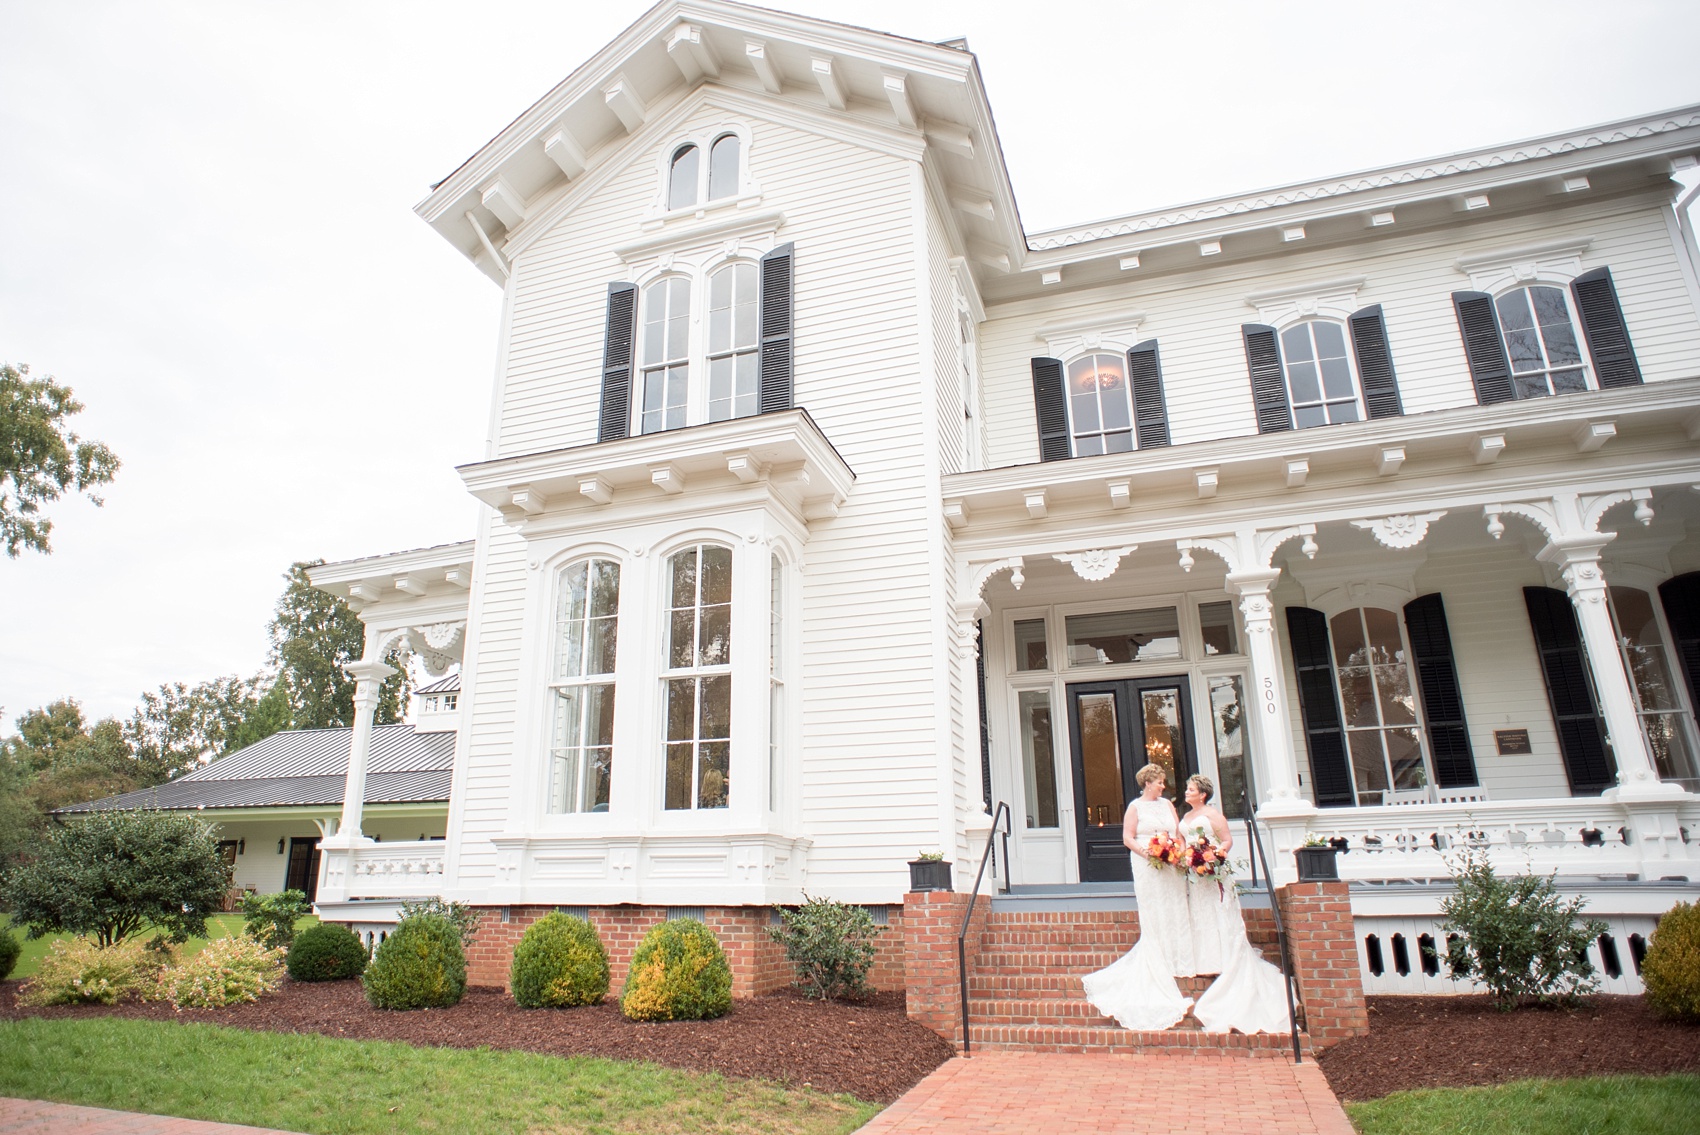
[559,962]
[327,952]
[679,973]
[419,966]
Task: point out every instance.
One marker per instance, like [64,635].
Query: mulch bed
[869,1049]
[1454,1042]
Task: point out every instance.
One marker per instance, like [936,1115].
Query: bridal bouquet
[1204,858]
[1164,850]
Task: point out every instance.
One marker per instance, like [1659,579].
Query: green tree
[180,727]
[314,635]
[40,458]
[113,874]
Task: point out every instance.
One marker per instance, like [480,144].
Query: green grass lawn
[218,926]
[1607,1105]
[333,1086]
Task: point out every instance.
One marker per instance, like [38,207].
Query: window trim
[1682,711]
[700,281]
[1419,726]
[1074,434]
[696,672]
[1359,401]
[1577,331]
[552,685]
[700,203]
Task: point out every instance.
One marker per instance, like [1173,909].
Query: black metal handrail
[973,898]
[1274,909]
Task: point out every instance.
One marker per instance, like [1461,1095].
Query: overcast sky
[206,230]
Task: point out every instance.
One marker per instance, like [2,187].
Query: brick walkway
[1022,1092]
[37,1118]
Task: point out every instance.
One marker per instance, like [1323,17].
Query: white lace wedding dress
[1138,989]
[1248,995]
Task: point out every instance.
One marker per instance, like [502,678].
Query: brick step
[1110,1039]
[1051,987]
[1044,1011]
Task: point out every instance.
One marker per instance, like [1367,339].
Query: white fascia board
[1440,438]
[1665,133]
[379,572]
[444,206]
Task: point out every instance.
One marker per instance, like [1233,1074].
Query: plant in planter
[929,871]
[1316,860]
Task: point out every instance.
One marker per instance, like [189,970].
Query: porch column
[1272,727]
[368,680]
[1578,559]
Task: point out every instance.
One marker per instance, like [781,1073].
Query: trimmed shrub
[271,919]
[679,973]
[327,952]
[10,948]
[559,962]
[1517,937]
[227,971]
[831,946]
[82,972]
[1671,969]
[419,966]
[462,916]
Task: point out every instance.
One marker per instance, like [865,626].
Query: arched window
[682,177]
[1379,705]
[581,682]
[666,353]
[734,358]
[1540,341]
[723,167]
[698,678]
[1319,374]
[1100,415]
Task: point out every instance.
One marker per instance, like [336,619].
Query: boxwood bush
[679,973]
[1671,969]
[327,952]
[419,966]
[830,944]
[9,951]
[559,962]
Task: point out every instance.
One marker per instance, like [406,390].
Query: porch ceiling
[1642,437]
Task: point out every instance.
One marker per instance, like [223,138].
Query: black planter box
[929,875]
[1317,864]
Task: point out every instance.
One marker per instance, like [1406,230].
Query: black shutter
[1581,736]
[1145,379]
[1443,700]
[1050,405]
[1268,380]
[1330,771]
[1602,323]
[1681,597]
[1483,347]
[619,344]
[985,734]
[1375,363]
[775,322]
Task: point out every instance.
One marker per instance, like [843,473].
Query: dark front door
[1114,729]
[303,866]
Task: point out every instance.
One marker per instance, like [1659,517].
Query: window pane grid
[582,693]
[1378,704]
[733,343]
[666,354]
[1100,412]
[698,685]
[1667,727]
[1319,374]
[1540,342]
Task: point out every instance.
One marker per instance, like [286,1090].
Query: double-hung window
[1320,382]
[1320,372]
[734,344]
[1100,403]
[1540,340]
[1099,412]
[697,679]
[1535,340]
[581,685]
[689,181]
[666,354]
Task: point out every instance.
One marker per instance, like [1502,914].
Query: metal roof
[448,684]
[305,767]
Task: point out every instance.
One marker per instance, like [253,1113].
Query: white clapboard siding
[1196,316]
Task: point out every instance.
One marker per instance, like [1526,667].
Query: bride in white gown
[1249,995]
[1138,989]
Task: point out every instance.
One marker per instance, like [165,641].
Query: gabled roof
[447,684]
[304,767]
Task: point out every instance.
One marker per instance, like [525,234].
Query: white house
[826,508]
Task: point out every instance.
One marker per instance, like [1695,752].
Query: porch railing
[973,898]
[389,870]
[1258,856]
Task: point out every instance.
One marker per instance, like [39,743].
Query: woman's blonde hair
[1149,773]
[1204,785]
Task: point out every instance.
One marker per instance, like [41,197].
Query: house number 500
[1269,695]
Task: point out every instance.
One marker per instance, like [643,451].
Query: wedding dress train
[1138,989]
[1249,995]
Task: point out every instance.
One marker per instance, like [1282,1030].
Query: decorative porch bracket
[1571,524]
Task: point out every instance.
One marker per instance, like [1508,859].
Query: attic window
[690,180]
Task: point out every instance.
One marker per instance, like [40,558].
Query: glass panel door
[1114,729]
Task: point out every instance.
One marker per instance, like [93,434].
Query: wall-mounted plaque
[1511,741]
